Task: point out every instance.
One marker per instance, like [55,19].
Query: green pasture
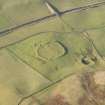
[64,60]
[98,37]
[17,79]
[79,21]
[37,55]
[20,11]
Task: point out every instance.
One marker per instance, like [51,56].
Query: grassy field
[62,63]
[21,11]
[80,21]
[17,79]
[97,35]
[36,56]
[67,89]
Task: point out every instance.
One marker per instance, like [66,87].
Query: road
[46,18]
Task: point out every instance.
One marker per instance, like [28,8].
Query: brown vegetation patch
[57,100]
[94,94]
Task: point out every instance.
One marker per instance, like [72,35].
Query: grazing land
[47,59]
